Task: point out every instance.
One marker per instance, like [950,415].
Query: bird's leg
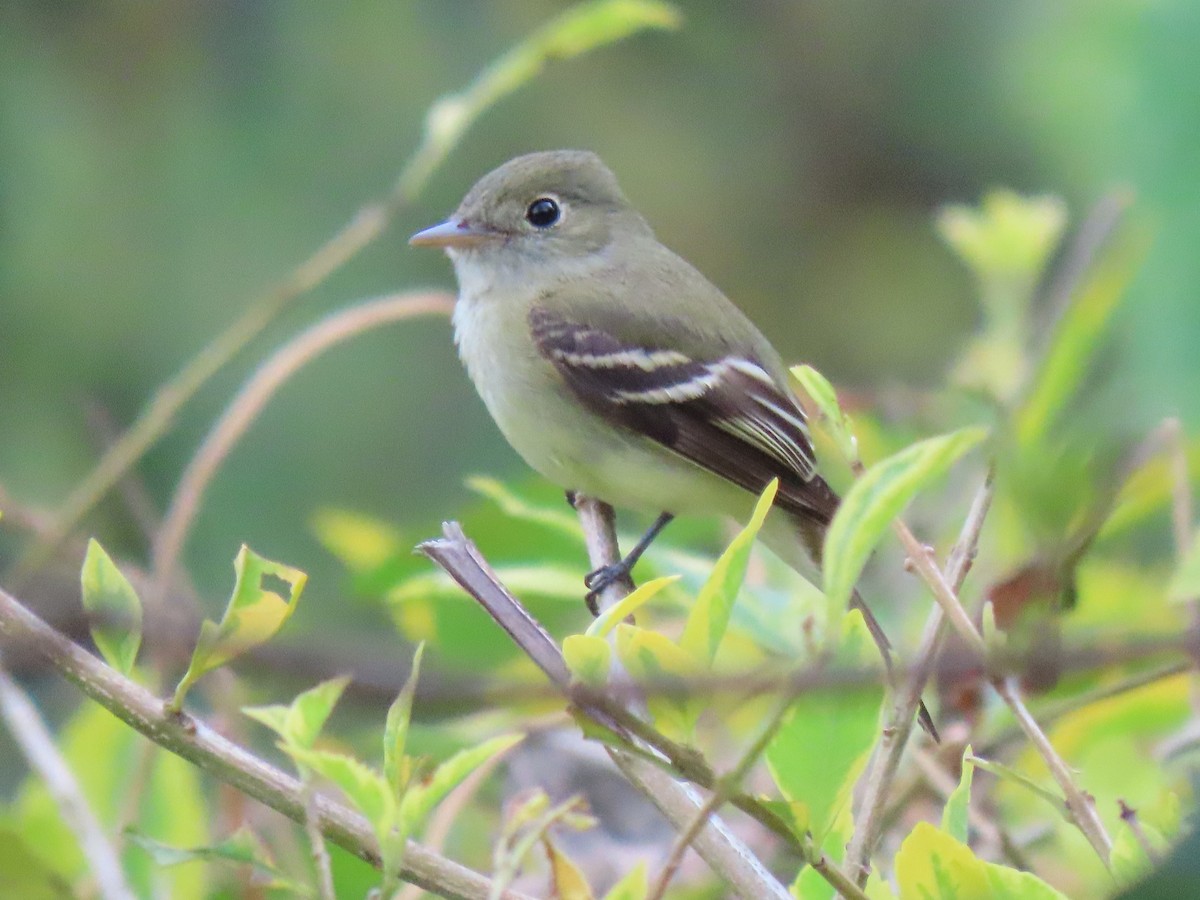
[601,578]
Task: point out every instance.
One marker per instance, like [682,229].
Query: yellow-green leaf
[877,498]
[362,785]
[632,887]
[566,878]
[241,848]
[709,616]
[931,865]
[628,605]
[589,658]
[651,657]
[822,393]
[395,731]
[361,542]
[300,723]
[954,816]
[253,615]
[113,608]
[420,799]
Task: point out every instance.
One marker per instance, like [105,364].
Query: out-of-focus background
[161,164]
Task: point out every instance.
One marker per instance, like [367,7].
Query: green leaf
[114,610]
[589,658]
[253,615]
[420,799]
[579,29]
[241,848]
[931,865]
[822,393]
[1185,582]
[651,657]
[709,616]
[1008,238]
[954,816]
[362,785]
[395,732]
[628,605]
[1077,338]
[300,723]
[819,750]
[877,498]
[632,887]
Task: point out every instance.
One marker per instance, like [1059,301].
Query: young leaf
[822,393]
[651,657]
[628,605]
[632,887]
[395,732]
[566,878]
[253,615]
[114,610]
[709,617]
[954,816]
[877,498]
[589,658]
[362,785]
[419,800]
[300,723]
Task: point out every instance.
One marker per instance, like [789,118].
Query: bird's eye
[542,212]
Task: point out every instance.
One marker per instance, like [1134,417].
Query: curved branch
[250,400]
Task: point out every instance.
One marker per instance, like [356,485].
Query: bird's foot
[606,576]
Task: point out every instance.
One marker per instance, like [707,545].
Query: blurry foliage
[165,163]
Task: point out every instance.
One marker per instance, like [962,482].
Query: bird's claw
[600,579]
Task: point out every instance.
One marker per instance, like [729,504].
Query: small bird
[617,370]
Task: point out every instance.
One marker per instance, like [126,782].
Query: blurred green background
[161,164]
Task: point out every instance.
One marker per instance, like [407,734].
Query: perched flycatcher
[615,368]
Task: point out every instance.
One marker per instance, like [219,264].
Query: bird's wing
[727,415]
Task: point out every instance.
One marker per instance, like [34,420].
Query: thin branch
[254,395]
[316,840]
[876,781]
[718,846]
[1130,817]
[194,741]
[31,735]
[1081,807]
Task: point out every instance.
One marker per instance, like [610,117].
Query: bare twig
[258,389]
[197,743]
[876,780]
[316,840]
[1130,817]
[31,735]
[1081,807]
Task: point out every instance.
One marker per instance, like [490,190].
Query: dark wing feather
[727,415]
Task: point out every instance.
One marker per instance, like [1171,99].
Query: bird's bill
[452,233]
